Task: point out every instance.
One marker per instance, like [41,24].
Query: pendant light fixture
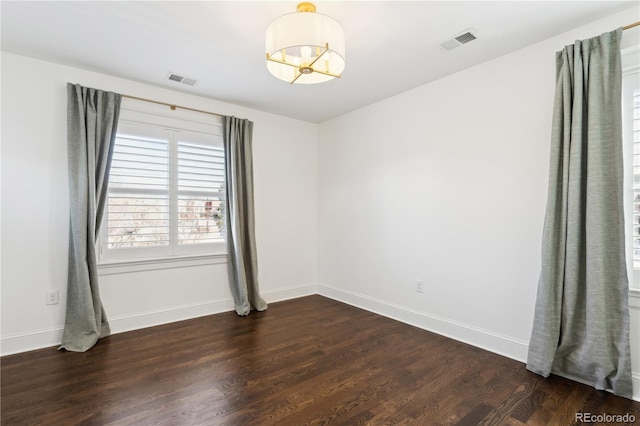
[305,47]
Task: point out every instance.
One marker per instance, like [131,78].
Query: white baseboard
[35,339]
[636,386]
[485,339]
[290,293]
[38,339]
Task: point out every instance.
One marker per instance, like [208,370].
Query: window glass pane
[138,204]
[201,193]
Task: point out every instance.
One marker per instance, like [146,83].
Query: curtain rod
[172,106]
[635,24]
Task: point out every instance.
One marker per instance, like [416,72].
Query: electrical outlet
[419,286]
[52,297]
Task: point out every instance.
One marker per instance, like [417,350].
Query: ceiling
[392,46]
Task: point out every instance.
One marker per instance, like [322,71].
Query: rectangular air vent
[181,79]
[460,39]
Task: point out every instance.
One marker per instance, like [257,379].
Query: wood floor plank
[304,361]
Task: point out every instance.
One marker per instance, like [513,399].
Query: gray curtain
[92,120]
[242,258]
[581,323]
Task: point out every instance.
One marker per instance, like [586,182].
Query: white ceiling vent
[460,39]
[181,79]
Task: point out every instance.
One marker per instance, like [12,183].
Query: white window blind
[166,189]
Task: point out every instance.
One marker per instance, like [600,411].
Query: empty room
[338,212]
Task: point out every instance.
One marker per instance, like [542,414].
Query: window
[166,188]
[631,136]
[635,140]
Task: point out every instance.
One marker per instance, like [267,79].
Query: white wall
[35,212]
[447,184]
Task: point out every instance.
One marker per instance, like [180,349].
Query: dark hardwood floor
[305,361]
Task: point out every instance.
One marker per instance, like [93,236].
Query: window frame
[172,123]
[630,83]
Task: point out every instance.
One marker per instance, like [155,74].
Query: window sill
[141,265]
